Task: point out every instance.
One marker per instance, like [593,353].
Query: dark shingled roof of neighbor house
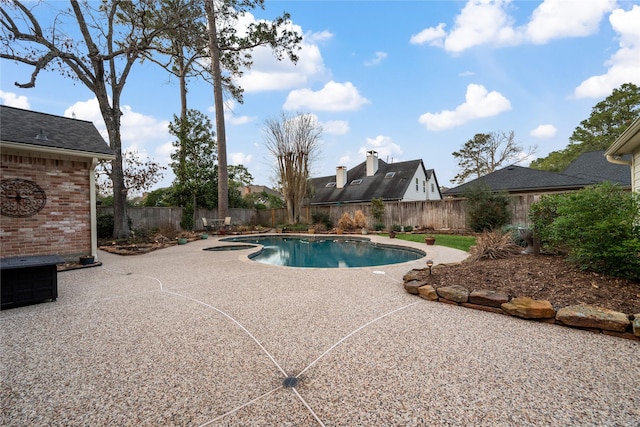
[22,126]
[588,169]
[376,186]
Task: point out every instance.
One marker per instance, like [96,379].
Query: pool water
[326,252]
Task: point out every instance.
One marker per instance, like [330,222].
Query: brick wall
[63,226]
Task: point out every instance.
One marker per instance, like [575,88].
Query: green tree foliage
[487,210]
[486,152]
[162,197]
[599,226]
[608,119]
[193,162]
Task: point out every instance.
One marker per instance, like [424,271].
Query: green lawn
[452,241]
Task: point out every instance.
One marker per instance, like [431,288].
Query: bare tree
[139,174]
[294,142]
[486,152]
[113,38]
[233,52]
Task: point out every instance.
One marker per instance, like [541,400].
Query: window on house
[433,188]
[389,175]
[417,184]
[356,182]
[424,186]
[330,184]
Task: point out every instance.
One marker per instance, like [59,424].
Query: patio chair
[206,224]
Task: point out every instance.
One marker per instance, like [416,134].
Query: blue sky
[409,79]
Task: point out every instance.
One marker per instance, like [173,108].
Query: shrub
[408,228]
[378,226]
[186,222]
[346,222]
[104,224]
[600,225]
[542,214]
[396,227]
[377,209]
[494,245]
[487,210]
[360,220]
[322,218]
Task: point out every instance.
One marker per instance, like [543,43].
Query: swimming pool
[326,251]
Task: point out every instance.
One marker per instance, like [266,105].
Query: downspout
[92,202]
[617,160]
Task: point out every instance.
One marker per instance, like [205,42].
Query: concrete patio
[188,337]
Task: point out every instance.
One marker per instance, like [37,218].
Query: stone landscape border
[583,316]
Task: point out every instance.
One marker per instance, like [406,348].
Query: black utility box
[29,280]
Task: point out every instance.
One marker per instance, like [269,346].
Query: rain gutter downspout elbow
[617,160]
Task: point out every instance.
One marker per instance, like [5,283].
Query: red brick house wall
[63,226]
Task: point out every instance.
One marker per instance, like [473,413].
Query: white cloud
[432,35]
[336,127]
[267,73]
[12,100]
[320,36]
[544,131]
[481,22]
[231,117]
[380,56]
[479,103]
[624,64]
[138,131]
[240,159]
[466,74]
[332,97]
[488,22]
[560,18]
[384,145]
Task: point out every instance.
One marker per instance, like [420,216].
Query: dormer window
[389,175]
[330,185]
[356,182]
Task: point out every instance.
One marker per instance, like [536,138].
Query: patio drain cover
[290,382]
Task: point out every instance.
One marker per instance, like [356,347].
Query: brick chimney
[372,162]
[341,176]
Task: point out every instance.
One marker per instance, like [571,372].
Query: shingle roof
[588,169]
[371,187]
[22,126]
[594,165]
[521,179]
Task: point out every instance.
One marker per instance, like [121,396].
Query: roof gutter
[56,151]
[618,160]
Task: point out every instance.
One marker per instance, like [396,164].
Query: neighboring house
[373,179]
[259,189]
[625,151]
[588,169]
[47,166]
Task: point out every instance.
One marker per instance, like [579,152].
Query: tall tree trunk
[223,173]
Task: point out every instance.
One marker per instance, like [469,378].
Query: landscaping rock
[428,292]
[635,326]
[454,293]
[483,308]
[411,275]
[412,286]
[529,308]
[588,316]
[489,298]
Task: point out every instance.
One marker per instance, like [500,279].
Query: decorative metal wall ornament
[21,198]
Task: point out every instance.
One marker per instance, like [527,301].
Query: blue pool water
[326,252]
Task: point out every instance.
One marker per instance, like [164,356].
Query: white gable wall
[417,187]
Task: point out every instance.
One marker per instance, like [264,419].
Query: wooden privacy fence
[437,214]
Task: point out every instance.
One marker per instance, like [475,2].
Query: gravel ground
[188,337]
